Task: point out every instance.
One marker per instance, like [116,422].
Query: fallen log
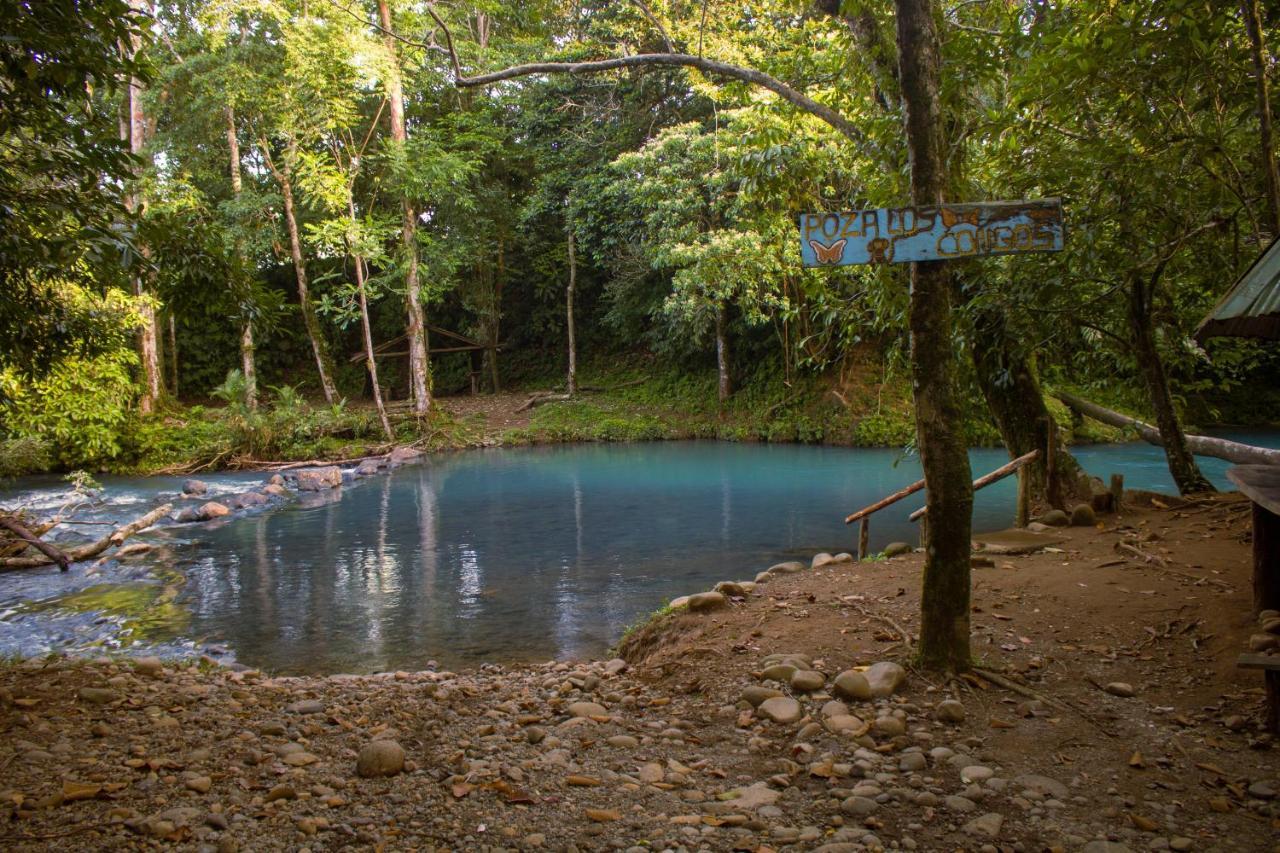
[1201,445]
[92,549]
[539,399]
[53,553]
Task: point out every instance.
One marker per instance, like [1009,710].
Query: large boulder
[319,479]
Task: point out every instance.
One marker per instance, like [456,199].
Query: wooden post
[924,531]
[1266,559]
[864,534]
[1023,512]
[1052,488]
[1117,491]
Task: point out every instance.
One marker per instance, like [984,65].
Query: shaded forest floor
[662,752]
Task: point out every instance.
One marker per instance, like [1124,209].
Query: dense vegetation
[213,209]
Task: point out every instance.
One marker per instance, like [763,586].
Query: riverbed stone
[1055,518]
[1043,785]
[842,723]
[889,726]
[788,568]
[306,706]
[821,559]
[319,479]
[988,825]
[741,589]
[195,487]
[369,467]
[781,709]
[213,509]
[852,684]
[756,693]
[588,709]
[150,666]
[949,711]
[403,456]
[1123,689]
[703,602]
[380,758]
[780,672]
[1082,515]
[99,695]
[808,680]
[885,678]
[895,549]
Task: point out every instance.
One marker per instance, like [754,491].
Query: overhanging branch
[643,60]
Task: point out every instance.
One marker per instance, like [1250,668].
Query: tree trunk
[309,318]
[173,354]
[1258,51]
[1013,394]
[419,363]
[572,381]
[148,333]
[370,361]
[722,355]
[248,361]
[944,601]
[1182,464]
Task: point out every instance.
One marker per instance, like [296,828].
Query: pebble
[199,784]
[913,762]
[859,806]
[150,666]
[889,726]
[960,804]
[306,706]
[781,709]
[588,709]
[1262,791]
[987,825]
[1120,688]
[623,742]
[380,758]
[949,711]
[895,549]
[976,773]
[98,695]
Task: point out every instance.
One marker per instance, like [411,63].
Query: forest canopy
[242,204]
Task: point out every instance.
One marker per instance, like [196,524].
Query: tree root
[1022,690]
[93,549]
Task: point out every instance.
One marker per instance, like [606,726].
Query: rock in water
[1083,516]
[705,601]
[852,684]
[885,678]
[380,758]
[319,479]
[781,709]
[894,549]
[368,467]
[213,509]
[195,487]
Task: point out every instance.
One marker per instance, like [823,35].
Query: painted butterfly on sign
[828,254]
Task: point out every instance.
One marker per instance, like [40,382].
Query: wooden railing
[864,514]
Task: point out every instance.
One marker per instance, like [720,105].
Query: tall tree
[1252,10]
[416,329]
[248,362]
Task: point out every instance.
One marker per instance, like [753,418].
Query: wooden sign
[947,232]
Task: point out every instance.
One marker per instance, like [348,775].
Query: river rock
[274,491]
[678,602]
[588,709]
[368,467]
[753,797]
[763,577]
[1082,515]
[1044,786]
[885,678]
[960,804]
[949,711]
[1106,847]
[1055,518]
[842,723]
[1263,642]
[913,762]
[788,568]
[821,559]
[1120,688]
[741,589]
[859,806]
[889,726]
[988,825]
[99,695]
[894,549]
[307,706]
[852,684]
[703,602]
[248,499]
[380,758]
[213,509]
[781,709]
[319,479]
[808,680]
[195,487]
[150,666]
[781,672]
[755,694]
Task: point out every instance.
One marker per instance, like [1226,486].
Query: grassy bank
[618,402]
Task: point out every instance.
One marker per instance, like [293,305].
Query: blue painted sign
[946,232]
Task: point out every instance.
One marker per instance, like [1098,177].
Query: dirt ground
[667,750]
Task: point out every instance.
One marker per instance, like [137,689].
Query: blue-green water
[529,553]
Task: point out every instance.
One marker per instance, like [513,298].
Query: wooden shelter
[1251,308]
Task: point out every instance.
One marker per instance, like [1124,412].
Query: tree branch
[708,66]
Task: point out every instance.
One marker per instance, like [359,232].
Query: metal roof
[1251,308]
